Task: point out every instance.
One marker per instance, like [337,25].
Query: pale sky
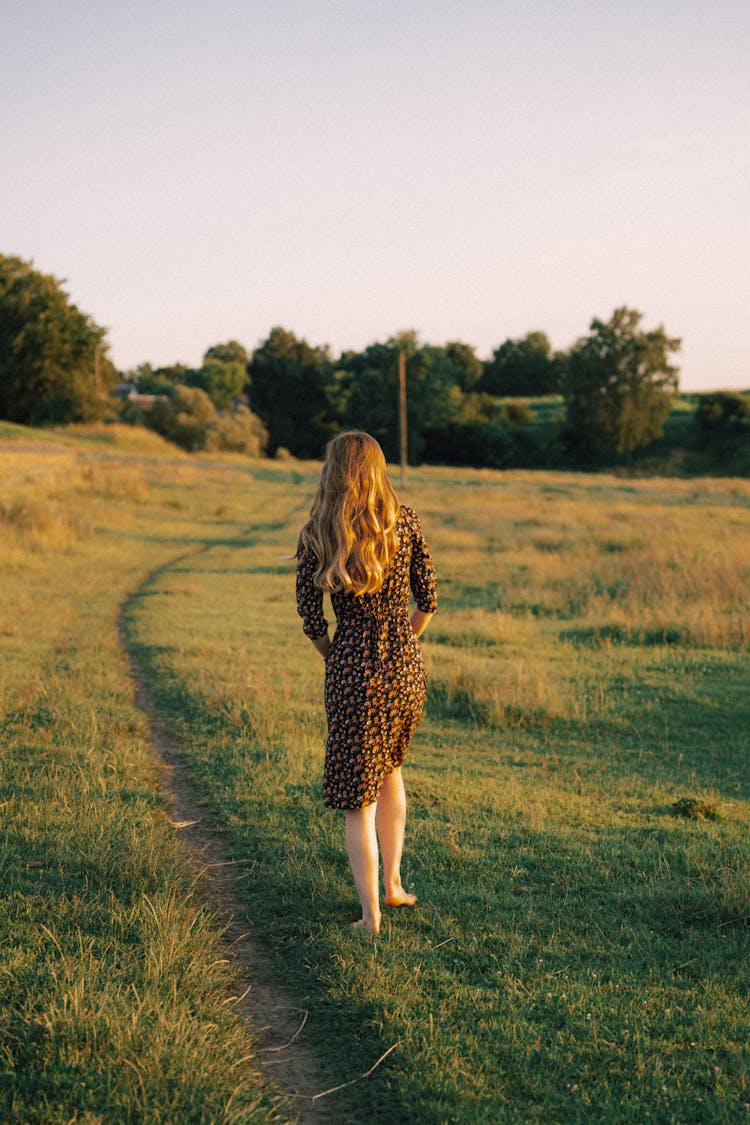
[473,169]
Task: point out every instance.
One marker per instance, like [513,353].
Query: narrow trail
[276,1020]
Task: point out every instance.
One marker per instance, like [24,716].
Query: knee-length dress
[375,683]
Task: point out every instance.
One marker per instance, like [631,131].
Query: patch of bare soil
[277,1021]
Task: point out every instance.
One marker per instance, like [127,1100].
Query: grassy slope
[579,953]
[111,975]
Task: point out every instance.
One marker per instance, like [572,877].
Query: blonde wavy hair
[352,525]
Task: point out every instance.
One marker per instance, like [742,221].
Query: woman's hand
[420,621]
[322,644]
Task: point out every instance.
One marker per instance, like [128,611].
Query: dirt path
[277,1021]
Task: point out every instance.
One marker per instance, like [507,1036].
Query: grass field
[578,831]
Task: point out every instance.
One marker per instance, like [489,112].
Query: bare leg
[362,847]
[390,820]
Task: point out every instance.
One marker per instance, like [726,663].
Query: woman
[368,552]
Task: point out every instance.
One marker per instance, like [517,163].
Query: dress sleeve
[310,598]
[422,577]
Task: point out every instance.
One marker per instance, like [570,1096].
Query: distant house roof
[128,392]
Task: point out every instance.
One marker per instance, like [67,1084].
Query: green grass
[112,977]
[580,951]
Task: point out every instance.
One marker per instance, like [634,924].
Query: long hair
[352,525]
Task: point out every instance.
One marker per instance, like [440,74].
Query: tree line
[616,387]
[609,395]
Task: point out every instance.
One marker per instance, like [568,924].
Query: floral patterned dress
[375,682]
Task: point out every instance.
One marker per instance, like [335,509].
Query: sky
[472,169]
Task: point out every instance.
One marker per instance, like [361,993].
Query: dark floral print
[375,683]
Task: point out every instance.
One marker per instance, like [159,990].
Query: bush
[189,419]
[240,431]
[519,412]
[185,418]
[132,415]
[723,413]
[498,444]
[722,425]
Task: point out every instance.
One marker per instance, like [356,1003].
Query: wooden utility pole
[402,413]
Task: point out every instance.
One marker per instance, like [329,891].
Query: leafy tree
[363,392]
[152,385]
[466,364]
[173,374]
[366,390]
[288,385]
[147,381]
[221,380]
[231,352]
[476,434]
[523,367]
[619,387]
[434,395]
[141,373]
[53,359]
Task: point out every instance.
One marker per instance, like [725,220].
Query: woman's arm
[419,621]
[422,578]
[310,604]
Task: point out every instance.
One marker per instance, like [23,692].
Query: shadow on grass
[605,635]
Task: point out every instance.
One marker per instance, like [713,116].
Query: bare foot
[400,897]
[370,927]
